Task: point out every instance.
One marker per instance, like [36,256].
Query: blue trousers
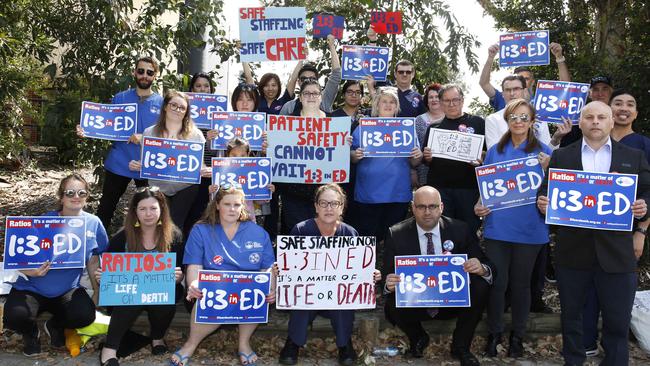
[342,322]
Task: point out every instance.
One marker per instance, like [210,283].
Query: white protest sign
[455,145]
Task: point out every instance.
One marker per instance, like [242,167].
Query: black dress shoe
[516,348]
[492,342]
[417,348]
[347,355]
[465,357]
[159,349]
[289,353]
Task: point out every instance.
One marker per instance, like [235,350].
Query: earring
[137,224]
[159,222]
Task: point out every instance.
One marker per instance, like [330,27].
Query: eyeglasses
[152,189]
[522,117]
[405,72]
[332,204]
[425,208]
[307,78]
[452,101]
[310,94]
[81,193]
[177,107]
[149,72]
[353,93]
[512,90]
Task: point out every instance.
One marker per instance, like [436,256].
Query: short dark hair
[620,91]
[308,67]
[433,87]
[307,83]
[523,68]
[266,78]
[447,87]
[249,89]
[198,76]
[514,77]
[404,62]
[149,60]
[349,83]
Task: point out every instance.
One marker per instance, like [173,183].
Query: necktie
[430,248]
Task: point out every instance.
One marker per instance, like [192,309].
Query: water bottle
[385,351]
[72,342]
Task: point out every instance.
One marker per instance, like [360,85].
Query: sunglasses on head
[152,189]
[228,186]
[307,78]
[247,87]
[141,71]
[81,193]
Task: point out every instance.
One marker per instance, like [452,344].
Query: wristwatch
[641,230]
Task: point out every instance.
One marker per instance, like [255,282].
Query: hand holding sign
[37,272]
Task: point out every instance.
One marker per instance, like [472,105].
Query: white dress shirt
[597,161]
[496,126]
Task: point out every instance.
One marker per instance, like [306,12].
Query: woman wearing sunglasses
[175,124]
[329,203]
[147,228]
[57,291]
[224,239]
[513,236]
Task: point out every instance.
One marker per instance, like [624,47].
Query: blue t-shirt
[249,250]
[310,228]
[381,180]
[497,102]
[276,105]
[121,152]
[59,281]
[411,103]
[521,224]
[638,141]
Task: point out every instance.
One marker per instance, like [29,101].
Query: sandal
[182,360]
[247,358]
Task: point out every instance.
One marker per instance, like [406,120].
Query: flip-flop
[182,360]
[248,358]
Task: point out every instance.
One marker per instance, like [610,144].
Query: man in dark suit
[604,258]
[428,232]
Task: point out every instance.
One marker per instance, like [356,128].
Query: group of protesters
[595,269]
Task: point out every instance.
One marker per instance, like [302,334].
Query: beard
[143,83]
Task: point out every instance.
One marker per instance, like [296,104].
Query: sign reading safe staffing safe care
[309,150]
[591,200]
[272,34]
[171,160]
[326,272]
[432,281]
[233,297]
[140,278]
[509,183]
[115,122]
[31,241]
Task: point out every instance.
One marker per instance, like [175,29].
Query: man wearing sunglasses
[411,103]
[116,166]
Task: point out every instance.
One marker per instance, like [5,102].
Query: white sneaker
[592,352]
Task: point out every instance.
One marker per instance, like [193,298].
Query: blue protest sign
[361,61]
[115,122]
[387,137]
[432,281]
[272,34]
[524,49]
[233,297]
[590,200]
[30,241]
[171,160]
[326,24]
[509,183]
[142,278]
[203,106]
[246,125]
[253,174]
[556,99]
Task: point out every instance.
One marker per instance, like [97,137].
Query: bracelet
[641,230]
[560,60]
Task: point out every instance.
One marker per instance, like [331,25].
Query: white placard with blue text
[591,200]
[432,281]
[31,241]
[556,99]
[203,106]
[233,297]
[246,125]
[361,61]
[387,137]
[524,49]
[455,145]
[272,34]
[171,160]
[115,122]
[309,150]
[253,174]
[509,183]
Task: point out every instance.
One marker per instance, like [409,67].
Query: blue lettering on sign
[524,49]
[326,24]
[233,297]
[509,183]
[253,174]
[30,241]
[556,99]
[115,122]
[432,281]
[361,61]
[171,160]
[387,137]
[246,125]
[591,200]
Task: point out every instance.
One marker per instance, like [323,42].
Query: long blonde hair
[211,213]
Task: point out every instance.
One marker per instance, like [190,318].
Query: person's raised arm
[484,80]
[293,79]
[331,44]
[248,74]
[562,68]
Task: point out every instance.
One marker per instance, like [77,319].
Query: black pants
[74,309]
[459,204]
[514,264]
[113,189]
[181,203]
[374,219]
[123,317]
[199,205]
[410,320]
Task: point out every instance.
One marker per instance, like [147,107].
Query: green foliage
[479,108]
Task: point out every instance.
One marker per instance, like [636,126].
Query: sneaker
[57,336]
[347,355]
[591,352]
[32,344]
